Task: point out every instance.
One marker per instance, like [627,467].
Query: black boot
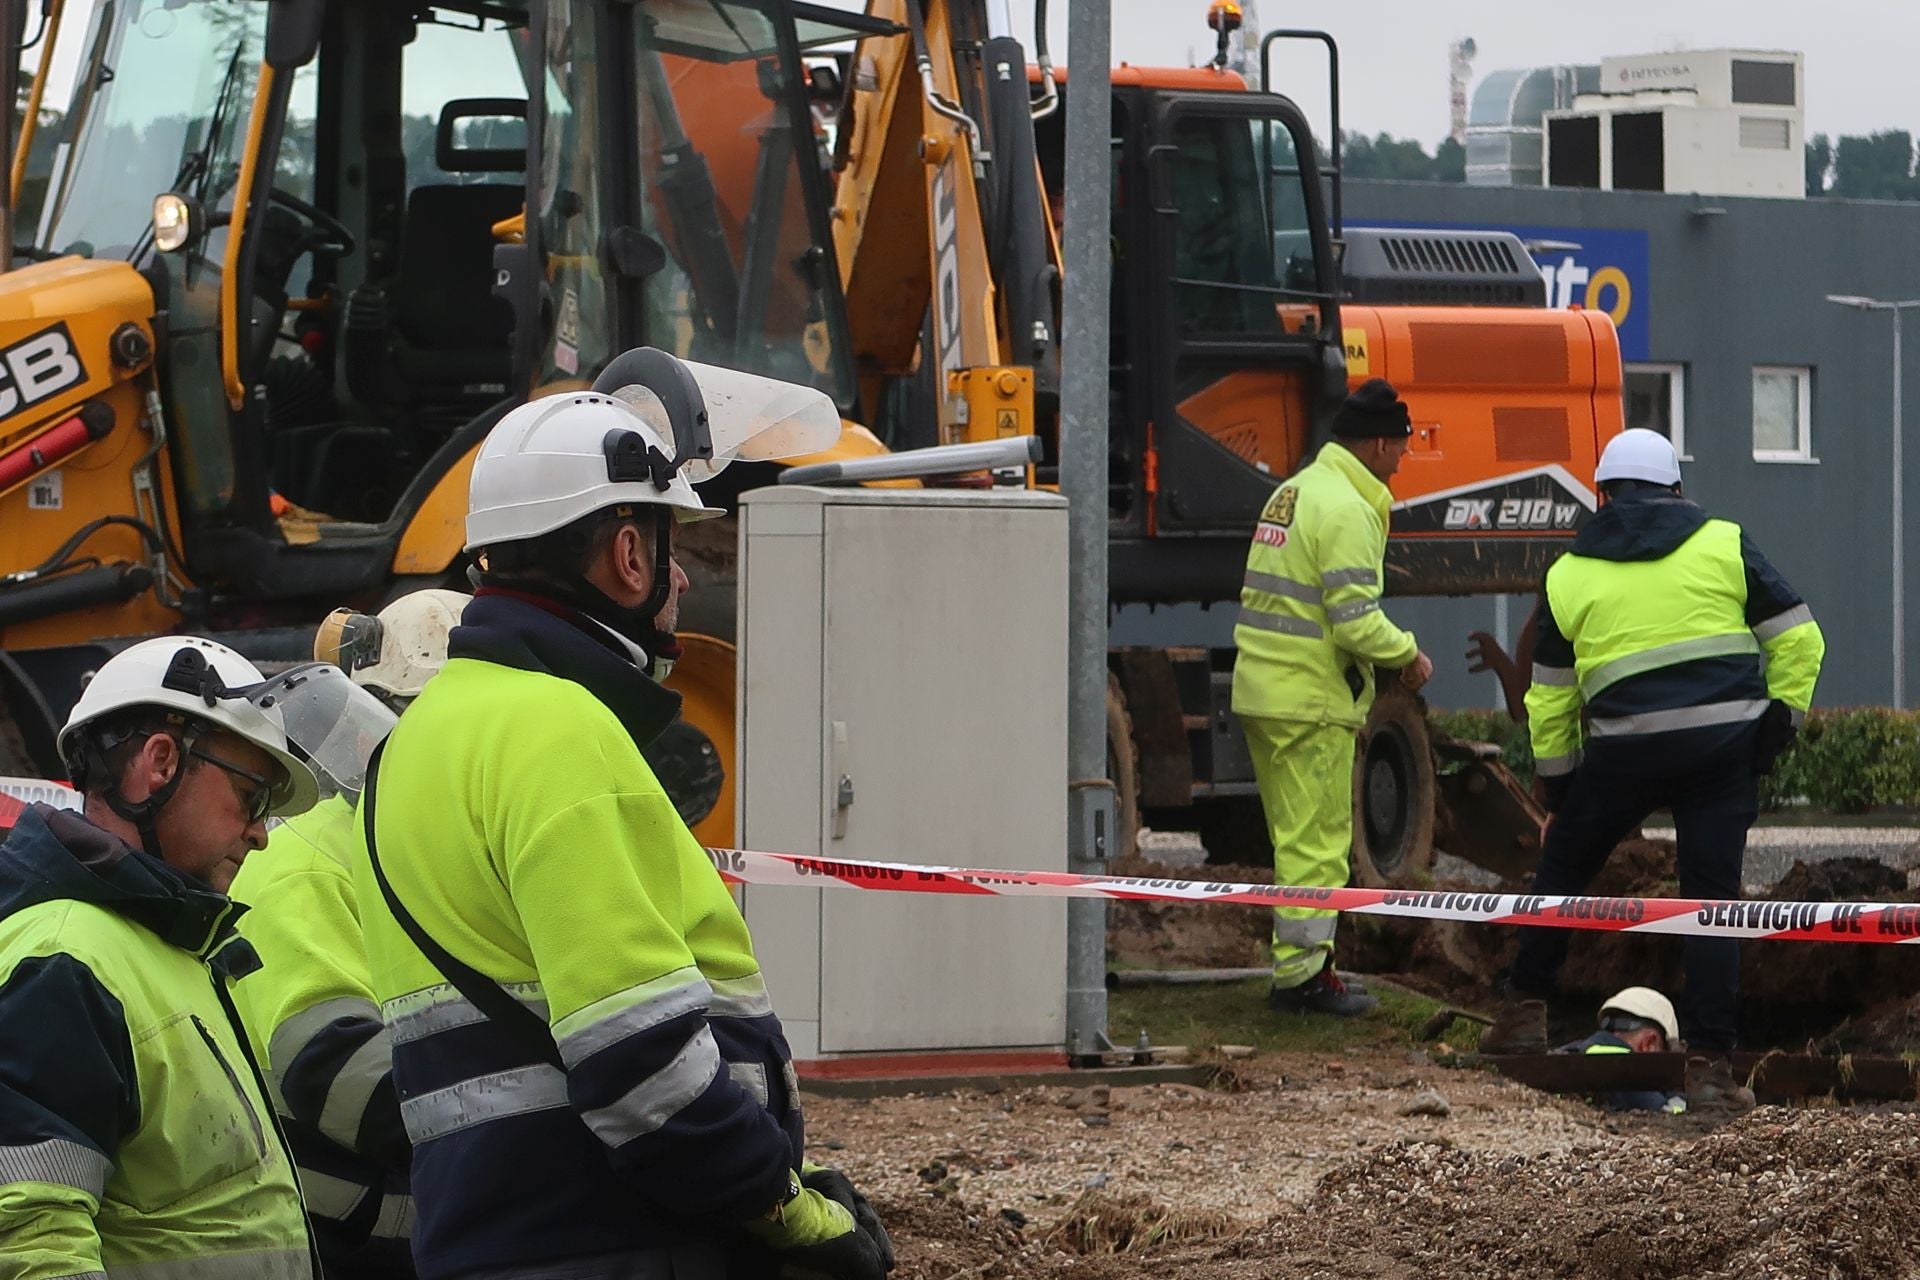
[1322,993]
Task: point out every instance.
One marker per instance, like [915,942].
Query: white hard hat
[547,464]
[397,650]
[1638,454]
[1650,1006]
[201,681]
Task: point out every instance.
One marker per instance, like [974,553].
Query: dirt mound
[1179,935]
[1841,880]
[1777,1193]
[938,1236]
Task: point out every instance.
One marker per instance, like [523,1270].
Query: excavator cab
[1226,320]
[294,260]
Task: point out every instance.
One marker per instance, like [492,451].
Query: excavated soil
[1791,991]
[1778,1193]
[1382,1164]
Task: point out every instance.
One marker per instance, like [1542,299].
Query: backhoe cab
[295,258]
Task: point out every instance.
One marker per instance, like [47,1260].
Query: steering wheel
[325,236]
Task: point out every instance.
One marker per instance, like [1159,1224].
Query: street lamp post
[1896,306]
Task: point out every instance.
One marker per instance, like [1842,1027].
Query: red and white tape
[1886,922]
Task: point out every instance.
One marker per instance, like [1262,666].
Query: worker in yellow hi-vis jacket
[1310,633]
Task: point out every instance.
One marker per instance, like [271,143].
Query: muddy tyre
[1393,792]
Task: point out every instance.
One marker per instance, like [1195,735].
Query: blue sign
[1600,269]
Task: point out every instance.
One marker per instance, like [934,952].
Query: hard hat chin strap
[144,815]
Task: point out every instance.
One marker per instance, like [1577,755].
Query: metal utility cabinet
[903,666]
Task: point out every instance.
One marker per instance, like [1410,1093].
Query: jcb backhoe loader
[296,257]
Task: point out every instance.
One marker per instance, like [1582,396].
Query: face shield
[709,416]
[331,720]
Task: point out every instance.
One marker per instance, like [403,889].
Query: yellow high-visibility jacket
[520,826]
[134,1137]
[1311,629]
[1660,622]
[316,1029]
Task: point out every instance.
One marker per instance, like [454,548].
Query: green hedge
[1846,760]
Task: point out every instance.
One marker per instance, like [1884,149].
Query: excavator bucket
[1482,813]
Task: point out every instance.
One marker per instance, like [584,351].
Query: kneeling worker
[1636,1020]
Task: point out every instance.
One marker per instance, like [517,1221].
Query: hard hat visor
[334,722]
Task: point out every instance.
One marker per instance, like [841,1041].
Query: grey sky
[1859,53]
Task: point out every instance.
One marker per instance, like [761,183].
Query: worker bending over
[1635,1020]
[1672,666]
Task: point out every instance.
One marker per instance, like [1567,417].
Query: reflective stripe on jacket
[521,827]
[316,1028]
[1311,628]
[134,1139]
[1695,632]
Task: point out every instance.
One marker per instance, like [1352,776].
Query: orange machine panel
[1263,416]
[1510,411]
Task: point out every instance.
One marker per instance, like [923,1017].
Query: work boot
[1711,1087]
[1322,993]
[1519,1027]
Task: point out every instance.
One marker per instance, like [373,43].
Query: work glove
[813,1235]
[1773,736]
[839,1188]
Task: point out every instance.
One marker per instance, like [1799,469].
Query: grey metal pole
[1083,478]
[1899,531]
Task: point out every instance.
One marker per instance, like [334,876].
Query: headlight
[172,221]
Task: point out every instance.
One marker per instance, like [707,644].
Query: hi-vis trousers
[1305,772]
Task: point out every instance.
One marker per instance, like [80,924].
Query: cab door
[1246,361]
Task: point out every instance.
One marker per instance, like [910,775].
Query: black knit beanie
[1375,409]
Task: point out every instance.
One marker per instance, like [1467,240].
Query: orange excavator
[1242,311]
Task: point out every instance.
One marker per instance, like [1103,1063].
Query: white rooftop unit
[1715,121]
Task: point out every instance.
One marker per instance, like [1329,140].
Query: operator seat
[433,336]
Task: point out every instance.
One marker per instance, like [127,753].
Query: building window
[1760,133]
[1763,83]
[1782,414]
[1656,396]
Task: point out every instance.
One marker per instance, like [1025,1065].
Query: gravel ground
[1771,851]
[1378,1167]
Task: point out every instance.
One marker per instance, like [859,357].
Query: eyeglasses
[256,800]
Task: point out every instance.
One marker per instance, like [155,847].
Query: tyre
[1393,792]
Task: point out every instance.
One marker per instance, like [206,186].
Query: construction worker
[1310,634]
[135,1135]
[589,1067]
[310,1010]
[1635,1020]
[1672,665]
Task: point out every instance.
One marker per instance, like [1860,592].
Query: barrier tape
[1886,922]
